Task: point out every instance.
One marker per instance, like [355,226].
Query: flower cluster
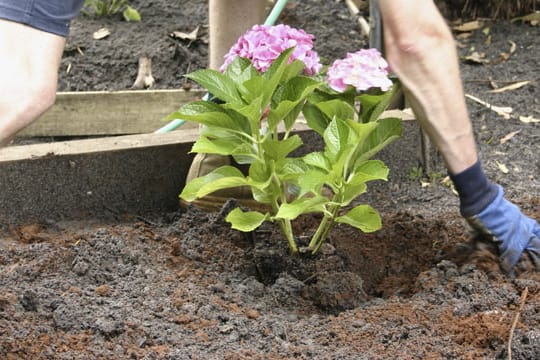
[264,43]
[364,69]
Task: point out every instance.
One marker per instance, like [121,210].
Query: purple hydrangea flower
[364,69]
[264,43]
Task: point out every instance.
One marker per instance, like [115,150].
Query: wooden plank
[109,112]
[117,113]
[93,146]
[96,178]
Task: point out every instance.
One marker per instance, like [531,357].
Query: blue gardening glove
[513,232]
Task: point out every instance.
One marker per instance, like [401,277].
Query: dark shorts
[52,16]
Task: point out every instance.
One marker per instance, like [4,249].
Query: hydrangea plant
[271,76]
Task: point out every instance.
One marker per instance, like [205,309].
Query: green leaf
[318,160]
[389,129]
[292,117]
[221,184]
[301,206]
[367,171]
[221,178]
[385,100]
[259,171]
[210,114]
[252,111]
[359,131]
[344,138]
[335,136]
[216,83]
[372,106]
[254,89]
[362,217]
[288,97]
[293,69]
[245,221]
[189,192]
[352,191]
[336,108]
[222,146]
[312,181]
[131,14]
[315,118]
[241,70]
[279,149]
[275,73]
[290,169]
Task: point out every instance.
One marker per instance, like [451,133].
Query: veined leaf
[245,221]
[288,96]
[279,149]
[362,217]
[293,69]
[301,206]
[335,136]
[216,83]
[319,160]
[389,129]
[290,169]
[313,181]
[336,108]
[189,192]
[253,89]
[224,134]
[341,135]
[372,106]
[252,111]
[290,119]
[351,192]
[222,147]
[220,184]
[367,171]
[359,131]
[210,114]
[275,73]
[213,181]
[241,70]
[259,171]
[315,118]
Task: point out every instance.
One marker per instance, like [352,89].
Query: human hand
[514,233]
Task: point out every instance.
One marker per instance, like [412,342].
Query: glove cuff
[475,191]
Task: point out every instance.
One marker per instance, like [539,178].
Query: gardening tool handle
[376,27]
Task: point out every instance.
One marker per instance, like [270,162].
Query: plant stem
[286,228]
[318,233]
[327,223]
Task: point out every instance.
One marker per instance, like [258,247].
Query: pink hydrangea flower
[364,69]
[264,43]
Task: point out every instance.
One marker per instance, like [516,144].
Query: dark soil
[185,286]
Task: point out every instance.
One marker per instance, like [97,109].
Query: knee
[32,100]
[415,43]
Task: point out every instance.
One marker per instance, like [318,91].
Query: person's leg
[32,38]
[228,20]
[29,60]
[421,51]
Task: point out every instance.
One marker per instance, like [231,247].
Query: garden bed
[180,284]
